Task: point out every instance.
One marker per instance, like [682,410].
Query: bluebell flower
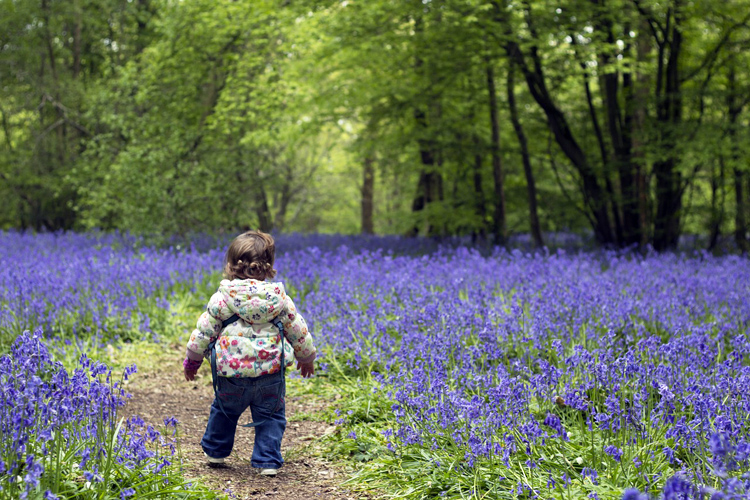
[613,451]
[634,494]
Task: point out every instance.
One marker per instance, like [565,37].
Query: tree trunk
[740,216]
[77,28]
[536,231]
[621,129]
[717,204]
[593,193]
[264,213]
[285,197]
[48,40]
[498,222]
[619,124]
[481,209]
[430,184]
[740,219]
[614,208]
[60,129]
[669,115]
[368,192]
[640,98]
[262,210]
[424,191]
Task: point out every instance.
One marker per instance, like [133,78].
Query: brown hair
[250,256]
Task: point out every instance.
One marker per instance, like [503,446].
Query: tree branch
[46,98]
[652,23]
[713,53]
[565,193]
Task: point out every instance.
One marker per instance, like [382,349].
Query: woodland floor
[304,475]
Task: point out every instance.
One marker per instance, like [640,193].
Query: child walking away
[251,332]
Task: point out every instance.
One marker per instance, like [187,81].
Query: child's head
[250,256]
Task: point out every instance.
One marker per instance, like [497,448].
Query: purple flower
[634,494]
[678,488]
[613,451]
[591,474]
[483,353]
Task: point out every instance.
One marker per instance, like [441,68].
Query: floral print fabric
[251,347]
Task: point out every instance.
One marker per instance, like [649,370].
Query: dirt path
[303,477]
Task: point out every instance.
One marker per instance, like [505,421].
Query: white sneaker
[214,462]
[268,472]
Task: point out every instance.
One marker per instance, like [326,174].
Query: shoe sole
[214,463]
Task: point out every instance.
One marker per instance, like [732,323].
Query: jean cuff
[265,465]
[217,458]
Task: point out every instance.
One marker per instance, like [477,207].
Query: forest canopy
[624,118]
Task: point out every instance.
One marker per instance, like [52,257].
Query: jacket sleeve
[207,329]
[296,332]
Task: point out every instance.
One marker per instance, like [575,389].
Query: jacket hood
[254,301]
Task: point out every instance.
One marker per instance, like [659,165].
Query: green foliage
[155,115]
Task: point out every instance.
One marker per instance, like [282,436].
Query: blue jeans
[261,395]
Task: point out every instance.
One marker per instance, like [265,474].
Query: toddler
[243,322]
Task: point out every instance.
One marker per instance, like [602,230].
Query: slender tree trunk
[60,129]
[618,236]
[614,207]
[481,209]
[668,177]
[592,191]
[717,204]
[740,216]
[77,28]
[605,162]
[368,194]
[426,186]
[619,124]
[285,197]
[536,231]
[263,212]
[639,103]
[430,184]
[593,194]
[740,219]
[627,166]
[48,39]
[499,228]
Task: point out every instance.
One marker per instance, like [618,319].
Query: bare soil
[304,476]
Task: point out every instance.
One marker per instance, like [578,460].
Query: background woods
[484,117]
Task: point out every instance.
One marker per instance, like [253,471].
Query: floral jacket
[250,347]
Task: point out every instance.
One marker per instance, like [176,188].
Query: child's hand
[306,369]
[190,367]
